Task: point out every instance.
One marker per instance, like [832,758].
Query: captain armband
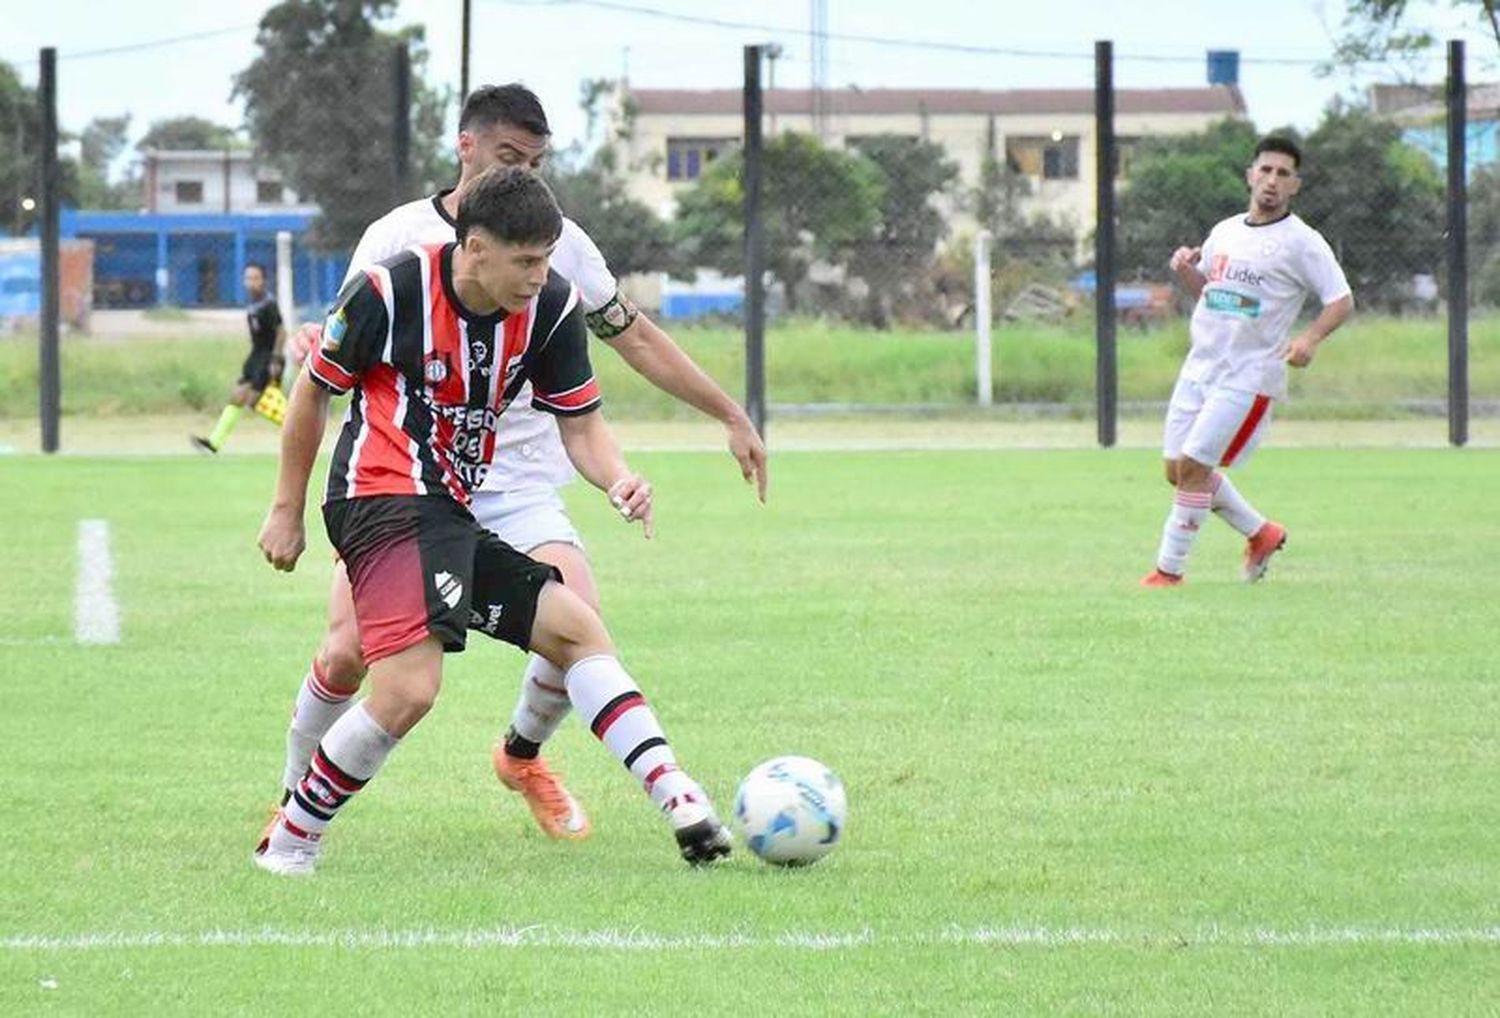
[613,318]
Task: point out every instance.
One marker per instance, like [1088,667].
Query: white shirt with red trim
[1258,278]
[529,452]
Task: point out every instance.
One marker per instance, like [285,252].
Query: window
[1051,158]
[189,192]
[688,158]
[268,192]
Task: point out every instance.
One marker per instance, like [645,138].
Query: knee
[1170,469]
[343,664]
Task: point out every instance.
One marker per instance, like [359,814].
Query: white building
[215,181]
[672,136]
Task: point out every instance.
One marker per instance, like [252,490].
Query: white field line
[809,940]
[96,616]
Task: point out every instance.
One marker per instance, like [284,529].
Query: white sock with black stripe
[347,758]
[318,706]
[541,707]
[608,699]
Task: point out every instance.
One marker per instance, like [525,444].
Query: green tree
[1179,187]
[631,236]
[1391,33]
[893,260]
[101,143]
[320,104]
[1377,200]
[20,134]
[181,134]
[816,203]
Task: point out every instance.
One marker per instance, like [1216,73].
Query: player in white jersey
[1251,276]
[518,500]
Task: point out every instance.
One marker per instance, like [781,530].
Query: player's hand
[300,343]
[1302,350]
[277,367]
[631,497]
[283,537]
[747,448]
[1185,257]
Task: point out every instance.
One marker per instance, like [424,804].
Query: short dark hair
[513,204]
[513,104]
[1279,143]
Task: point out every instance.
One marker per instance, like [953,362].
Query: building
[206,215]
[207,180]
[1422,113]
[673,136]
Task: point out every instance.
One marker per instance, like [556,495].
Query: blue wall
[197,260]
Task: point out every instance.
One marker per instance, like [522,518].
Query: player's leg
[403,687]
[1182,413]
[530,609]
[410,563]
[1263,537]
[534,521]
[328,688]
[255,374]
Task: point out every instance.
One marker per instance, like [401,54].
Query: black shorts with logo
[256,371]
[420,566]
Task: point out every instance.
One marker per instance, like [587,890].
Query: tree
[1179,187]
[631,236]
[189,133]
[1377,200]
[816,202]
[101,143]
[1383,32]
[894,260]
[20,134]
[320,105]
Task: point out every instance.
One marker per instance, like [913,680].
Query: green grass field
[1067,795]
[1370,369]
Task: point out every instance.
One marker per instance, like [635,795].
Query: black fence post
[1458,249]
[1106,373]
[51,370]
[401,123]
[755,249]
[463,76]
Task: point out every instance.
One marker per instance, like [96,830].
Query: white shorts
[525,518]
[1216,427]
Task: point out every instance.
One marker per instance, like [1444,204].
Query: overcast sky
[552,46]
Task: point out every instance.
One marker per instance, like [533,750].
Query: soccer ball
[790,811]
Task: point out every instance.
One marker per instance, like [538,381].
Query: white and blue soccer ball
[790,811]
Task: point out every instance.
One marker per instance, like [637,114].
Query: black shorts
[256,371]
[421,566]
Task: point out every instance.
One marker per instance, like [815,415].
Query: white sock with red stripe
[318,706]
[347,758]
[1189,511]
[543,702]
[1232,507]
[609,700]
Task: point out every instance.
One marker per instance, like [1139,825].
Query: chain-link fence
[890,217]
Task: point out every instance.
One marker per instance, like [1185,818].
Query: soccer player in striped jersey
[1251,277]
[518,501]
[435,344]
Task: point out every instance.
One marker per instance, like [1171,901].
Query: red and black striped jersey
[432,378]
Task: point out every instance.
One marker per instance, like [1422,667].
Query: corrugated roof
[1225,99]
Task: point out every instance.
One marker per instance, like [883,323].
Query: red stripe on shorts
[1242,437]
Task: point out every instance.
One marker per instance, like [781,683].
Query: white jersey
[1258,277]
[528,450]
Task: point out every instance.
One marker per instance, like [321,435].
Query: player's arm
[652,354]
[1184,265]
[283,535]
[353,337]
[595,453]
[1304,347]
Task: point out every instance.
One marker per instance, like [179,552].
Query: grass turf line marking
[96,616]
[637,940]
